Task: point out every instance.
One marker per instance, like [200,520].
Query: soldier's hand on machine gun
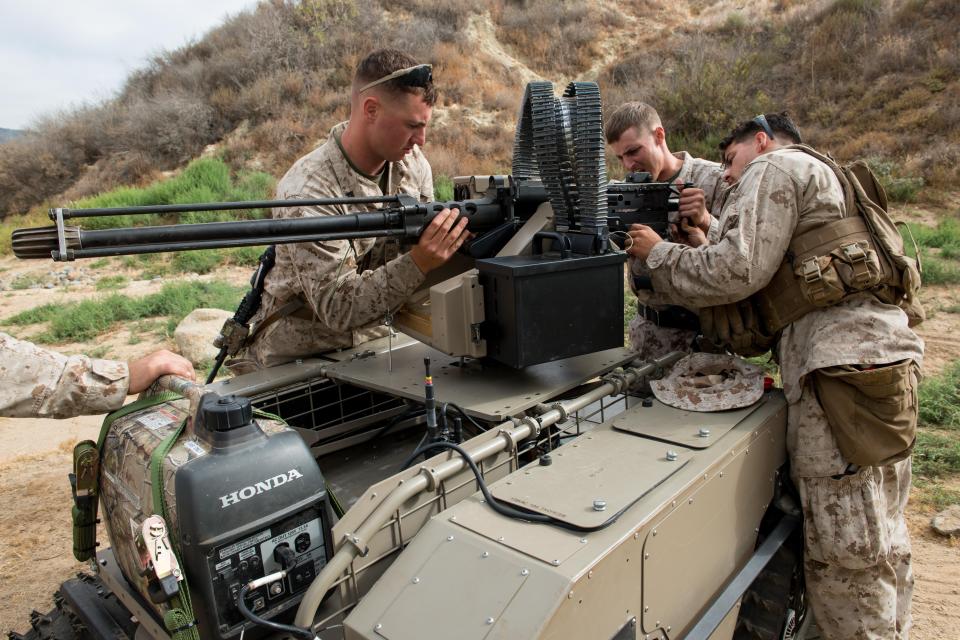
[693,206]
[689,235]
[440,240]
[159,363]
[642,240]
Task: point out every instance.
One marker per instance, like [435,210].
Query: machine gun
[571,260]
[493,218]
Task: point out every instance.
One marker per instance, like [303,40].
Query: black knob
[223,413]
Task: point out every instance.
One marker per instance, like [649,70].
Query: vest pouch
[872,412]
[819,281]
[858,265]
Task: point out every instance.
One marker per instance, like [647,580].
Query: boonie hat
[710,382]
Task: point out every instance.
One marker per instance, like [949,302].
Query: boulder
[195,333]
[947,522]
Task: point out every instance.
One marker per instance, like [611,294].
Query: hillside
[865,78]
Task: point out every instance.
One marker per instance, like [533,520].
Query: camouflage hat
[710,382]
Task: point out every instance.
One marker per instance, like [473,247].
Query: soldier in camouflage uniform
[857,548]
[327,295]
[636,135]
[46,384]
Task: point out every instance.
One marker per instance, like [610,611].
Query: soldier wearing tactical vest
[40,383]
[849,361]
[323,296]
[637,137]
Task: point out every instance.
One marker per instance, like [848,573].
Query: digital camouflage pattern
[710,382]
[348,286]
[651,341]
[863,587]
[46,384]
[126,487]
[857,559]
[646,338]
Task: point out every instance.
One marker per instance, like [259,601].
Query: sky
[58,54]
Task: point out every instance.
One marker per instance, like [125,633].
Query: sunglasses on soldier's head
[420,75]
[762,121]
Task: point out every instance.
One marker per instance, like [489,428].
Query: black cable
[416,452]
[411,411]
[300,632]
[464,414]
[511,512]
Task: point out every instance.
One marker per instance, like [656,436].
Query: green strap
[179,619]
[136,405]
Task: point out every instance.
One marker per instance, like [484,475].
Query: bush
[940,399]
[203,180]
[899,187]
[80,321]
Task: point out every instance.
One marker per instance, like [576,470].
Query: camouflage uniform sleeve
[426,183]
[46,384]
[750,250]
[326,273]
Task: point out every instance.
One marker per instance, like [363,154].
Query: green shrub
[203,180]
[112,282]
[442,188]
[940,399]
[899,187]
[936,454]
[79,321]
[203,261]
[937,271]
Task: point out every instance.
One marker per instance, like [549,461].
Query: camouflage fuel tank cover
[710,382]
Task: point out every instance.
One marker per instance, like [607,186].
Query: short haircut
[780,123]
[631,114]
[383,62]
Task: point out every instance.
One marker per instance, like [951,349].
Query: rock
[49,285]
[947,522]
[195,333]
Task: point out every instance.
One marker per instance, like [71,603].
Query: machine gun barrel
[407,217]
[217,206]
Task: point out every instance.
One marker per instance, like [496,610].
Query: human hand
[159,363]
[689,235]
[693,206]
[440,240]
[642,240]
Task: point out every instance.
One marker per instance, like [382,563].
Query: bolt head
[377,627]
[704,433]
[415,581]
[449,538]
[599,505]
[489,620]
[485,554]
[672,455]
[524,572]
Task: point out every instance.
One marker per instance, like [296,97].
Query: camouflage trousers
[651,341]
[856,544]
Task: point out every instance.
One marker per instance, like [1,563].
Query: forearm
[351,300]
[42,383]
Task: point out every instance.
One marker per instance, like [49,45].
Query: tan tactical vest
[861,252]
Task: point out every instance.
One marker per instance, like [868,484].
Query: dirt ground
[35,457]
